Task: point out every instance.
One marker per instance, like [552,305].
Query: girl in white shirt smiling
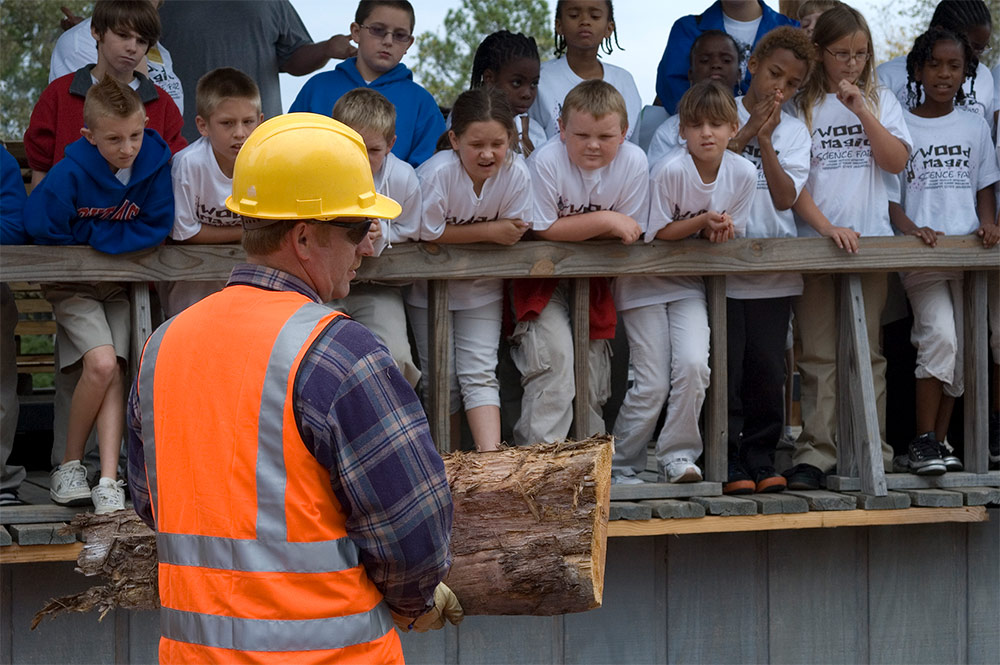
[479,191]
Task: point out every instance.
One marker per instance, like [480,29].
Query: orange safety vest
[255,564]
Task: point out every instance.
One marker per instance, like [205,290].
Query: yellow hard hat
[306,166]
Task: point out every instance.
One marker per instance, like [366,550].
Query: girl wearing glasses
[858,136]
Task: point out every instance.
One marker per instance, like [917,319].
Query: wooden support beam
[976,373]
[859,448]
[438,356]
[142,323]
[716,402]
[580,322]
[39,553]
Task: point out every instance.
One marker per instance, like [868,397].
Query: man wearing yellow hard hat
[301,508]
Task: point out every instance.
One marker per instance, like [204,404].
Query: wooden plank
[664,491]
[39,553]
[48,533]
[897,481]
[891,501]
[672,509]
[629,510]
[532,258]
[824,500]
[859,441]
[818,596]
[810,520]
[726,505]
[29,327]
[914,600]
[438,356]
[934,498]
[716,407]
[5,538]
[976,395]
[39,513]
[774,504]
[979,496]
[579,311]
[983,601]
[33,305]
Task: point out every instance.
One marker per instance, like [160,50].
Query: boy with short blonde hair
[379,305]
[112,192]
[589,184]
[228,103]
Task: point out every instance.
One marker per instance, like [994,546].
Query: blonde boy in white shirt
[588,184]
[379,305]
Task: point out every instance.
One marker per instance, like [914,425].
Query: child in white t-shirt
[946,189]
[586,184]
[228,110]
[479,191]
[703,190]
[583,27]
[858,136]
[379,305]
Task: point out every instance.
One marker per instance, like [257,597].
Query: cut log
[529,536]
[530,528]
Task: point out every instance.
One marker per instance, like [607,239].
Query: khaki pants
[817,319]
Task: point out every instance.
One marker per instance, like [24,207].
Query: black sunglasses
[356,231]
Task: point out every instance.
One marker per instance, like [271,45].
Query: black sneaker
[947,453]
[994,439]
[769,480]
[925,457]
[804,477]
[739,481]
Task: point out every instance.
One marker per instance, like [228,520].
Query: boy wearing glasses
[383,31]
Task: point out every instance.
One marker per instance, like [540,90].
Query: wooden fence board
[983,591]
[900,481]
[439,355]
[976,360]
[717,414]
[580,321]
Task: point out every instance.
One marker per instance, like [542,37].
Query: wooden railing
[858,429]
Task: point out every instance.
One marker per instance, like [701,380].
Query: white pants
[542,351]
[938,332]
[379,307]
[474,342]
[668,344]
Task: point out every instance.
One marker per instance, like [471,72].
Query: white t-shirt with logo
[953,158]
[979,91]
[562,189]
[397,180]
[791,143]
[846,184]
[676,192]
[448,198]
[200,191]
[666,138]
[743,33]
[77,48]
[557,79]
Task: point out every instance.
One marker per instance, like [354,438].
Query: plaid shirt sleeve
[137,488]
[361,420]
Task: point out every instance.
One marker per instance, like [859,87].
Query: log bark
[529,536]
[530,528]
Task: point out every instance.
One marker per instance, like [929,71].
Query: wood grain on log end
[530,527]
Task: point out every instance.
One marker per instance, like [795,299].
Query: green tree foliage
[444,61]
[28,32]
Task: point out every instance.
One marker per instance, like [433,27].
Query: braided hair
[960,15]
[606,45]
[497,50]
[921,52]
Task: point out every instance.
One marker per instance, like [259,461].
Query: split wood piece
[5,538]
[726,505]
[629,510]
[120,547]
[824,500]
[664,491]
[773,504]
[934,498]
[900,481]
[979,496]
[530,528]
[673,509]
[37,513]
[42,534]
[891,501]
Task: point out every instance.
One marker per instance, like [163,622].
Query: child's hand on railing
[507,231]
[846,239]
[927,234]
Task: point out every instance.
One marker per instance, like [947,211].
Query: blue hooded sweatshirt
[419,123]
[81,202]
[11,201]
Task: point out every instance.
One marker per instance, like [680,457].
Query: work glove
[446,606]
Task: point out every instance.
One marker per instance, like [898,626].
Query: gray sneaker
[951,461]
[108,496]
[68,484]
[925,457]
[680,470]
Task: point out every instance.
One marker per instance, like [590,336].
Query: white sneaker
[623,479]
[681,470]
[108,496]
[68,484]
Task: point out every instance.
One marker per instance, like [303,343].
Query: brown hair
[139,16]
[265,240]
[366,7]
[480,105]
[221,84]
[794,40]
[708,99]
[813,6]
[364,108]
[110,99]
[596,97]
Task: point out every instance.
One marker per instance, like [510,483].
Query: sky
[643,26]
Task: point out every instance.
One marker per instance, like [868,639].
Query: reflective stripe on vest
[270,552]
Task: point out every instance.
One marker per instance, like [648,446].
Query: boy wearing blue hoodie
[383,31]
[112,191]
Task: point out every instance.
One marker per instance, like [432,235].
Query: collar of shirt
[272,279]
